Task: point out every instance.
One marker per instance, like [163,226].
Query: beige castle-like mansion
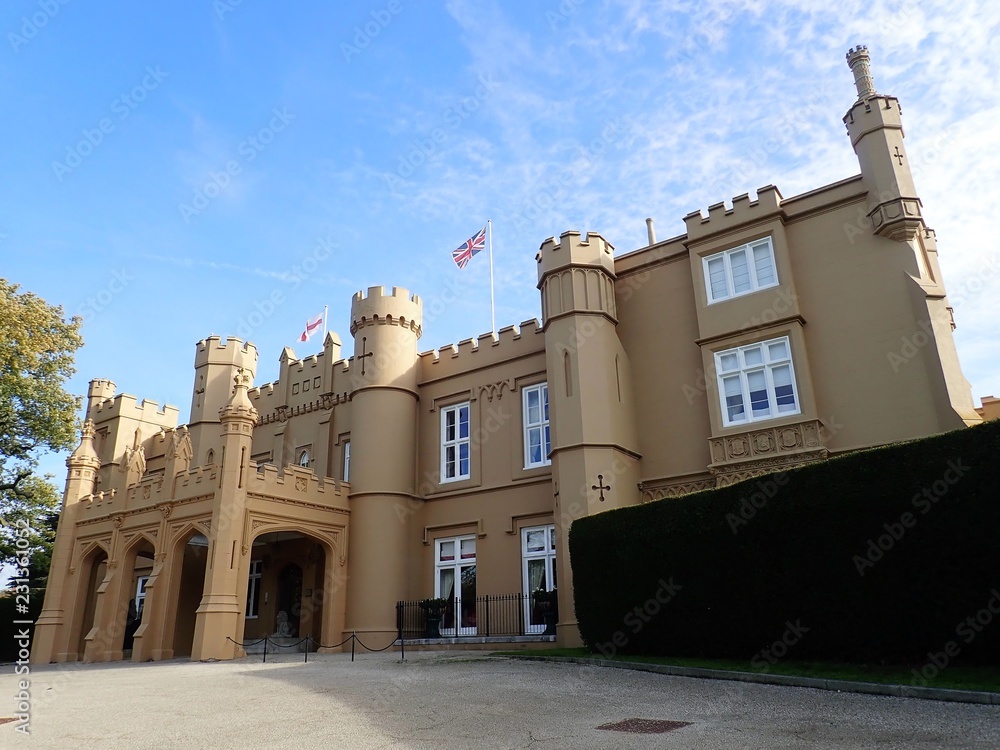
[773,333]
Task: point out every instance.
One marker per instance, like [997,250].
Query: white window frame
[256,574]
[542,426]
[347,460]
[456,564]
[455,443]
[767,365]
[140,595]
[304,457]
[548,554]
[726,257]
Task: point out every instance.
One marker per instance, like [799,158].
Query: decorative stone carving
[180,450]
[301,484]
[748,454]
[652,491]
[133,462]
[495,390]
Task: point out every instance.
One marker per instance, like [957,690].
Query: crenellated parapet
[743,212]
[213,350]
[398,308]
[127,406]
[297,484]
[486,350]
[577,275]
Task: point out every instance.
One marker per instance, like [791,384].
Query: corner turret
[216,364]
[874,123]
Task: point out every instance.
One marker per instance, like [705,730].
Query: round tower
[383,457]
[216,364]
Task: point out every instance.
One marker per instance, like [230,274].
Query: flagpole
[326,311]
[493,313]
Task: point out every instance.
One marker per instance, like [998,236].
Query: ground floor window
[140,596]
[253,589]
[538,566]
[455,581]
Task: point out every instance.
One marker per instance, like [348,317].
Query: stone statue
[180,450]
[284,629]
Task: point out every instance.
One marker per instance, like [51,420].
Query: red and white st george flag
[313,325]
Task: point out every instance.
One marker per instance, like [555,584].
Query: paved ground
[460,701]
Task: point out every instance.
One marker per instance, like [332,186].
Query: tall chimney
[650,231]
[860,63]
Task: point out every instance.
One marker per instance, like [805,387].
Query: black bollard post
[265,652]
[353,638]
[308,640]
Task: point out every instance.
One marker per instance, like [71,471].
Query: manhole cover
[645,726]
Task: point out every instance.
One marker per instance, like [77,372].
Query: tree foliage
[37,346]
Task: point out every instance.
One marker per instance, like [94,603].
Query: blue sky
[171,169]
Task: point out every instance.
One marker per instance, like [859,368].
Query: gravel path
[457,700]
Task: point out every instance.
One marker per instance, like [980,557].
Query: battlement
[487,349]
[100,390]
[297,484]
[399,308]
[743,211]
[233,351]
[128,406]
[571,250]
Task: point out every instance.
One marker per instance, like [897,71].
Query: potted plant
[547,605]
[432,616]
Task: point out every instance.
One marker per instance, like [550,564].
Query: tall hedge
[881,555]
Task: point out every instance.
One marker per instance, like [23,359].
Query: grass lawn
[953,677]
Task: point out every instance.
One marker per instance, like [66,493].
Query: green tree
[37,346]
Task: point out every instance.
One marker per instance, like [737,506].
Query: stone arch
[323,601]
[137,561]
[184,570]
[92,569]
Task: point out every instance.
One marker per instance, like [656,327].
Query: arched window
[210,457]
[304,457]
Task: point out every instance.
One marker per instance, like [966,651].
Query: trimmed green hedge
[880,555]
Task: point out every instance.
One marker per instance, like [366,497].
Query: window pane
[717,278]
[463,459]
[783,391]
[741,271]
[734,398]
[548,443]
[753,356]
[468,548]
[759,402]
[536,541]
[763,264]
[449,424]
[729,362]
[447,551]
[545,402]
[463,426]
[777,351]
[535,445]
[449,462]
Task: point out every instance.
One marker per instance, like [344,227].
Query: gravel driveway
[461,701]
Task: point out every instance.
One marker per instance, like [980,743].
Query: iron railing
[489,615]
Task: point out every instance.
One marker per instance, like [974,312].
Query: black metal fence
[489,615]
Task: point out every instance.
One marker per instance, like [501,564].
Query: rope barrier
[353,638]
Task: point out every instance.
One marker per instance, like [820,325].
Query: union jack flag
[469,248]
